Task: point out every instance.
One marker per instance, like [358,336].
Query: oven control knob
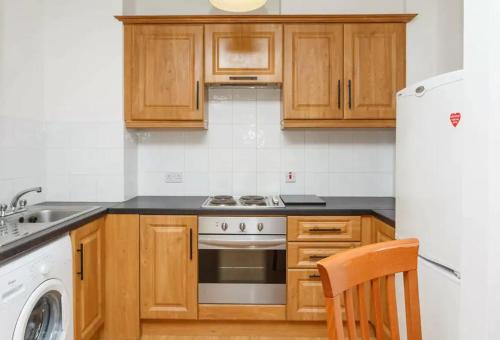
[260,226]
[242,226]
[224,226]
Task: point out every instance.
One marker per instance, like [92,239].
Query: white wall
[166,7]
[434,38]
[244,151]
[21,99]
[342,6]
[481,253]
[83,64]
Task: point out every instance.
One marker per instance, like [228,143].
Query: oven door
[242,269]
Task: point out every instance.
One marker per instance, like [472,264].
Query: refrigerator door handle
[447,269]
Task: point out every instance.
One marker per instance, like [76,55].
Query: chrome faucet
[17,197]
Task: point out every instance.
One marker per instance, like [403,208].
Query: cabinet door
[244,53]
[169,276]
[374,59]
[305,300]
[313,71]
[88,280]
[164,73]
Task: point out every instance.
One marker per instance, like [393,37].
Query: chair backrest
[352,277]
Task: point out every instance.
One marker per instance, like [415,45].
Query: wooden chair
[350,273]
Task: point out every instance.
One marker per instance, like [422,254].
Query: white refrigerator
[429,169]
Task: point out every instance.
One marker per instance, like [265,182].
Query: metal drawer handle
[324,230]
[243,78]
[81,261]
[317,257]
[198,95]
[314,277]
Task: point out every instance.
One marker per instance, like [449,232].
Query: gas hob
[243,202]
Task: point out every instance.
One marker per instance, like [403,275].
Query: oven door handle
[212,243]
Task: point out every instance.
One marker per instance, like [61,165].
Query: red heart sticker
[455,118]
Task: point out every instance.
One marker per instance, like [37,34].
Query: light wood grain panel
[88,279]
[382,232]
[305,299]
[244,53]
[227,328]
[169,267]
[374,69]
[121,235]
[241,312]
[306,254]
[324,228]
[313,72]
[337,123]
[164,77]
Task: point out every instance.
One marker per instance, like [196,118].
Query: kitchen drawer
[324,228]
[305,300]
[306,254]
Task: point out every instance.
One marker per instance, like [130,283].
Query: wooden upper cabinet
[313,71]
[164,75]
[243,53]
[88,280]
[374,59]
[169,269]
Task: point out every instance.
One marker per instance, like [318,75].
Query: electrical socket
[174,177]
[290,177]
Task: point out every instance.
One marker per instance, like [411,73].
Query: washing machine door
[45,316]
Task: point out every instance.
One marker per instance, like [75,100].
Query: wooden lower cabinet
[169,267]
[382,232]
[305,301]
[88,279]
[121,239]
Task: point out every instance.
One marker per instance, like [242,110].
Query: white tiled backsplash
[244,151]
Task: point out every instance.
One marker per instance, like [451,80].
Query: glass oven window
[242,266]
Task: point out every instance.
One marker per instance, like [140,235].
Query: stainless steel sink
[36,219]
[47,216]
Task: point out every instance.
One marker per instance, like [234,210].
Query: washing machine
[36,294]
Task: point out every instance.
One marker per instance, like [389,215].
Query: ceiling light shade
[238,5]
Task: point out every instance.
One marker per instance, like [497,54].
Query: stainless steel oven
[242,260]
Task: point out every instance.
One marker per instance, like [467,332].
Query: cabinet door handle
[314,276]
[198,95]
[349,86]
[80,250]
[243,78]
[317,257]
[190,244]
[338,95]
[324,230]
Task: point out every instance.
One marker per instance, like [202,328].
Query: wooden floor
[159,337]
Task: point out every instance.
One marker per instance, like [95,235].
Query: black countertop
[380,207]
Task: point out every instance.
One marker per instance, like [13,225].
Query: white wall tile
[245,183]
[317,184]
[292,159]
[268,183]
[196,183]
[221,160]
[244,151]
[245,136]
[268,160]
[221,183]
[244,160]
